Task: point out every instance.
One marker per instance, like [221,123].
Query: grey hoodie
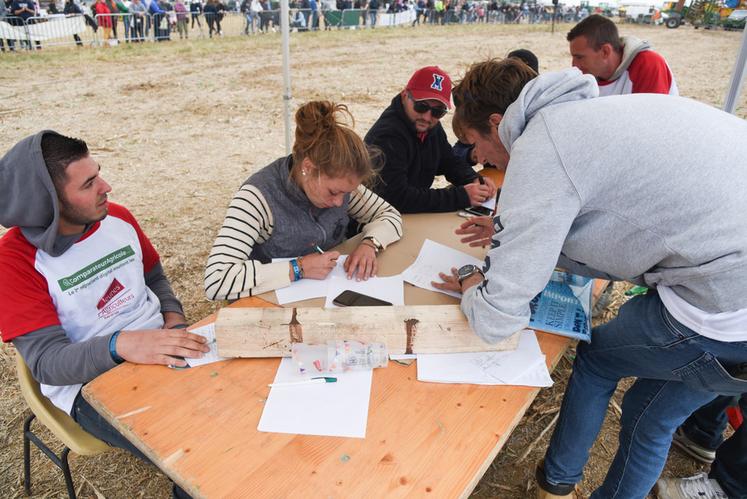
[23,178]
[632,46]
[28,200]
[646,188]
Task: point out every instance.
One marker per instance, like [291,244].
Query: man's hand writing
[478,193]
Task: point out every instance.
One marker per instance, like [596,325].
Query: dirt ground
[178,126]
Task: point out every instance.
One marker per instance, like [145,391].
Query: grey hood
[545,90]
[632,46]
[28,198]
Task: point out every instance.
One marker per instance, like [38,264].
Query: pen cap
[309,359]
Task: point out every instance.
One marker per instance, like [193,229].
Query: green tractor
[700,13]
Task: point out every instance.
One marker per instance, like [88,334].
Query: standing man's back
[621,65]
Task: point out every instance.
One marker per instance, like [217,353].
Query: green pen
[312,381]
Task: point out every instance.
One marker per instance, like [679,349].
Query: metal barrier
[135,27]
[111,26]
[61,29]
[404,18]
[13,33]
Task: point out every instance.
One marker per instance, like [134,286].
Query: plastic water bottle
[338,356]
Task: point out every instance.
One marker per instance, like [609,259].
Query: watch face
[466,270]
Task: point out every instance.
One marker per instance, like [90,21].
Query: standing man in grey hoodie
[624,65]
[562,204]
[82,287]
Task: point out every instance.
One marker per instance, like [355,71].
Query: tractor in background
[700,13]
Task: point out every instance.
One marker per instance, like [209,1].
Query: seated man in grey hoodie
[562,204]
[624,65]
[82,287]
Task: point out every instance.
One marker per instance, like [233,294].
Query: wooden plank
[270,332]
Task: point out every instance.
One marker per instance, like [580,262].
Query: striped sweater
[234,269]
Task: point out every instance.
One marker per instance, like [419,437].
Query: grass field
[178,126]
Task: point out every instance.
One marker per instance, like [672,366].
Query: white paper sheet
[403,356]
[211,356]
[308,288]
[330,409]
[539,376]
[391,289]
[523,366]
[432,259]
[489,203]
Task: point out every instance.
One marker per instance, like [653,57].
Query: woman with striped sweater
[300,203]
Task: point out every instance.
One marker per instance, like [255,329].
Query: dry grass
[178,126]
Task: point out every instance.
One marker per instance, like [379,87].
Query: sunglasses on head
[421,107]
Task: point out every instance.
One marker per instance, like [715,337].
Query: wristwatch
[376,244]
[467,271]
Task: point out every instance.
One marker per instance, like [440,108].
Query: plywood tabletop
[199,426]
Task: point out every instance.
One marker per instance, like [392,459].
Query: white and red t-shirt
[95,288]
[648,73]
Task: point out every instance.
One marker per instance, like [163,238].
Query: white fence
[113,29]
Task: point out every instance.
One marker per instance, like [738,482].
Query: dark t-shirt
[19,4]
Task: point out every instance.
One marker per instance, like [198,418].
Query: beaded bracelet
[300,266]
[297,276]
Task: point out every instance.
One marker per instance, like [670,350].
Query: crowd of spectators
[134,21]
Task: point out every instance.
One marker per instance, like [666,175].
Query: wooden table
[199,425]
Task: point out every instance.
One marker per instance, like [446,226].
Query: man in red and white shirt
[82,288]
[621,66]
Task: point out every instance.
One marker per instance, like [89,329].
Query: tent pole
[285,30]
[737,77]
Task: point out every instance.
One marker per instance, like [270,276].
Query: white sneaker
[694,487]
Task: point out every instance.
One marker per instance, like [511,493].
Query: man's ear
[606,50]
[495,119]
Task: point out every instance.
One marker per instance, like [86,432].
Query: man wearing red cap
[416,149]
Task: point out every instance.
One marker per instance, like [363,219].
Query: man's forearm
[54,360]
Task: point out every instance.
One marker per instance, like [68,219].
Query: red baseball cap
[430,82]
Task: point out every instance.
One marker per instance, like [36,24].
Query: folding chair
[61,424]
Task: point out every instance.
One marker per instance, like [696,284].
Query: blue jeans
[706,428]
[678,371]
[249,23]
